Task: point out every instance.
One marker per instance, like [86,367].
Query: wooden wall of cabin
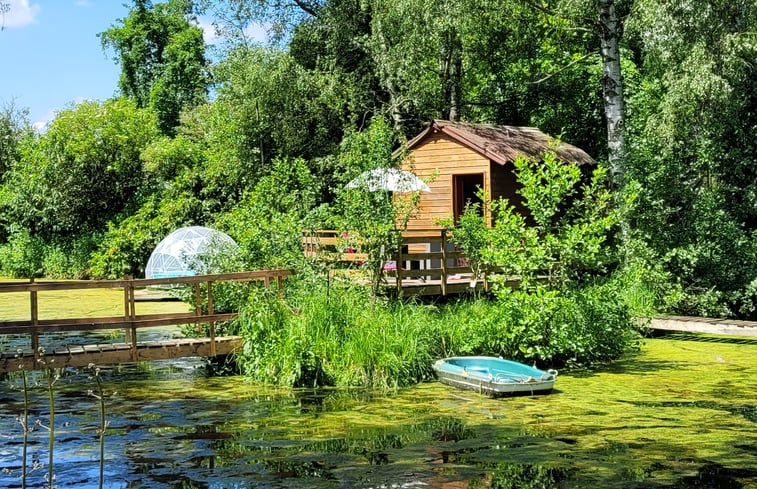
[440,157]
[504,185]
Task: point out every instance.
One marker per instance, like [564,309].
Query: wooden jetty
[130,349]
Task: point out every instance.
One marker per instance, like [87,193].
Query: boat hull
[494,377]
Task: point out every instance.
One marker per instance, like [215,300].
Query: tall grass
[337,337]
[341,336]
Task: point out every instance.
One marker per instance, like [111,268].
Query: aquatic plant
[52,375]
[24,422]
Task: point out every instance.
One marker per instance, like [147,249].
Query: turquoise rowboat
[494,376]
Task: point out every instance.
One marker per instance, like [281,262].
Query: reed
[321,337]
[100,396]
[52,377]
[339,335]
[24,421]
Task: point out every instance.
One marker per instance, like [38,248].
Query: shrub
[22,255]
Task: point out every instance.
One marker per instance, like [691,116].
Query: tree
[373,220]
[693,148]
[83,171]
[14,126]
[612,89]
[162,56]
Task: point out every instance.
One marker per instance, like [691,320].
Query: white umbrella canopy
[390,179]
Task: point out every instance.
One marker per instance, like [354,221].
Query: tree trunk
[612,90]
[385,75]
[451,57]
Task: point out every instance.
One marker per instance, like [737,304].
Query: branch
[577,60]
[309,8]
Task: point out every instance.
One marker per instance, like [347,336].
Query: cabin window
[465,189]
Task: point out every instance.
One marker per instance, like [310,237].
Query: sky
[51,57]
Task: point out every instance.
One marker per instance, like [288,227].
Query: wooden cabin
[456,158]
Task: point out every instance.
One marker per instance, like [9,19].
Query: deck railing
[425,256]
[130,322]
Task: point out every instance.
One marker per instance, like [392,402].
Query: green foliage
[693,149]
[268,221]
[83,171]
[373,220]
[14,126]
[564,235]
[556,247]
[472,236]
[21,256]
[321,335]
[162,58]
[269,106]
[127,244]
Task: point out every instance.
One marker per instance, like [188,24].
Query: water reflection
[689,424]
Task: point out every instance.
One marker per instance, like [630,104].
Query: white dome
[175,255]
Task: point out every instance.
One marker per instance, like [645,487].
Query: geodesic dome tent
[178,255]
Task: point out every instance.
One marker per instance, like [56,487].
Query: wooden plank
[9,287]
[147,321]
[729,327]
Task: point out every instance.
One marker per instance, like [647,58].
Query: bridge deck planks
[114,353]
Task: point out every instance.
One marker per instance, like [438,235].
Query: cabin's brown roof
[504,144]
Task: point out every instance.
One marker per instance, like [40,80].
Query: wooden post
[211,324]
[398,269]
[35,320]
[266,278]
[444,262]
[280,286]
[198,306]
[127,310]
[131,313]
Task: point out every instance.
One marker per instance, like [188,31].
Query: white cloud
[41,125]
[208,31]
[20,14]
[256,32]
[83,3]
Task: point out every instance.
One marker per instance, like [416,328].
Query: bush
[22,255]
[70,259]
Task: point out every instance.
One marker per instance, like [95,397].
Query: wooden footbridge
[35,355]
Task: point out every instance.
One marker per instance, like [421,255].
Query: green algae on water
[678,413]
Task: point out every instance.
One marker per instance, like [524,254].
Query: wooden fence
[129,321]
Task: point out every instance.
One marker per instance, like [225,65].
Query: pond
[679,413]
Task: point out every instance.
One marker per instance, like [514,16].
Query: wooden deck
[39,356]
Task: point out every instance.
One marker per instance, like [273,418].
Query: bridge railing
[130,321]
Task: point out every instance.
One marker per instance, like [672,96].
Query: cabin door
[464,190]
